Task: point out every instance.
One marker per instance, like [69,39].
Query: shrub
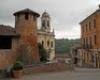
[18,65]
[42,53]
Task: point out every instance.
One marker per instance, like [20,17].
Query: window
[83,29]
[92,58]
[51,44]
[48,43]
[48,24]
[5,42]
[42,43]
[89,25]
[94,39]
[94,23]
[83,41]
[90,42]
[34,18]
[86,43]
[43,23]
[26,16]
[86,28]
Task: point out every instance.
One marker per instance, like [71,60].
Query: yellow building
[90,39]
[47,37]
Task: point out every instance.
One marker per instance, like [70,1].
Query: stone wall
[7,57]
[50,67]
[28,34]
[45,38]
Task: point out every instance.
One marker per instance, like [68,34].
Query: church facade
[47,37]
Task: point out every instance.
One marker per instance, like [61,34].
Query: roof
[94,13]
[7,31]
[26,11]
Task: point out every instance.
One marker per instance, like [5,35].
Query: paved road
[78,74]
[86,74]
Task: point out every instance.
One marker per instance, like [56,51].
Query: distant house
[62,57]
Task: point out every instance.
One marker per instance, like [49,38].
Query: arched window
[48,43]
[43,23]
[42,43]
[48,23]
[52,44]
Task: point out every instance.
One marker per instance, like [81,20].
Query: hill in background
[65,45]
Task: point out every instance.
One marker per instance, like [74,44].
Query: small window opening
[51,44]
[34,18]
[95,39]
[42,43]
[26,16]
[48,43]
[48,23]
[94,23]
[5,42]
[43,23]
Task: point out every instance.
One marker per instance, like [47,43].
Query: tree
[65,45]
[42,53]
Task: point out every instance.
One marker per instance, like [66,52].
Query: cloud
[65,14]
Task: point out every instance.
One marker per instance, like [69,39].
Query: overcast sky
[65,14]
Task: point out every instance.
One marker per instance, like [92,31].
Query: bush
[18,65]
[42,53]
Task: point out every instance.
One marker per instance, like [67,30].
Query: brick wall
[51,67]
[7,57]
[28,34]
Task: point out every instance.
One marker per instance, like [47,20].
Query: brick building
[90,40]
[22,41]
[8,45]
[26,26]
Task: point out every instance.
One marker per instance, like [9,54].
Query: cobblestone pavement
[78,74]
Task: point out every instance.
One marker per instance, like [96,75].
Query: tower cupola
[45,22]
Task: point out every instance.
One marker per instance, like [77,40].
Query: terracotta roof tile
[7,30]
[26,11]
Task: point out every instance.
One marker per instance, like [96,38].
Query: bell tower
[45,22]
